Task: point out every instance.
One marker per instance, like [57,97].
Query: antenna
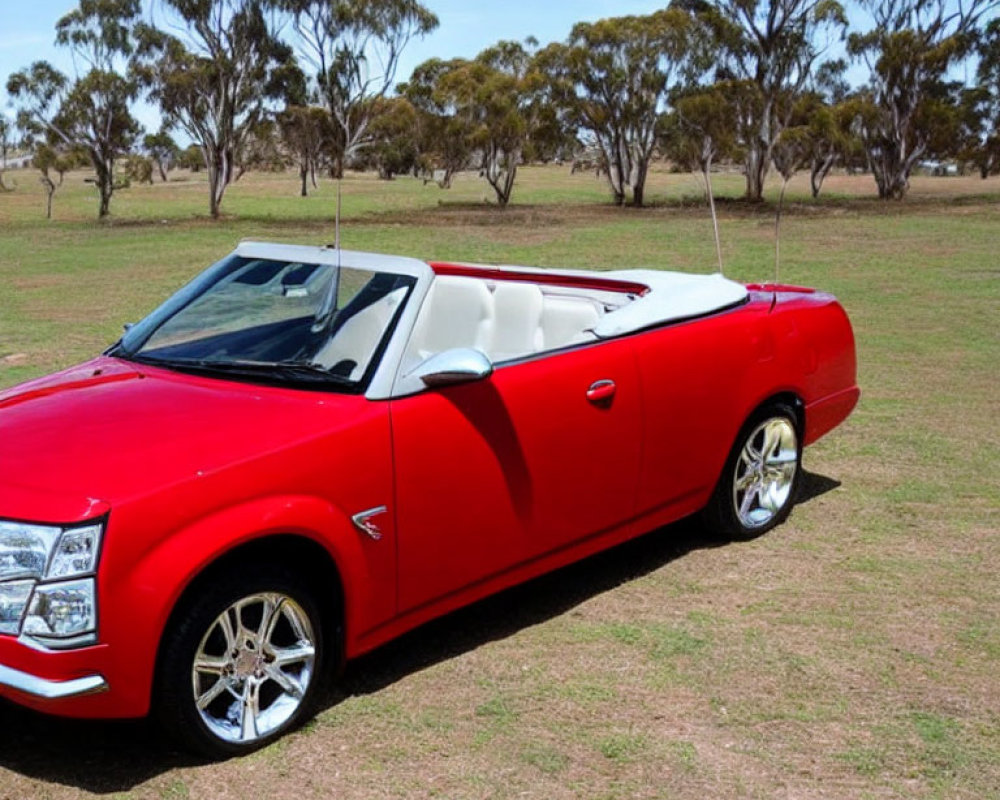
[777,229]
[336,230]
[711,205]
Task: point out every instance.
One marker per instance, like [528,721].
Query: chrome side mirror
[458,365]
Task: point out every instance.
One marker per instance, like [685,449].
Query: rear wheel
[758,484]
[242,662]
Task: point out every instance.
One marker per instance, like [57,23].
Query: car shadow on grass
[109,757]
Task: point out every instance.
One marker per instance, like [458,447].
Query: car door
[497,472]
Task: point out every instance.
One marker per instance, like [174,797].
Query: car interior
[507,320]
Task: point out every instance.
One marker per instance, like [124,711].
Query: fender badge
[363,522]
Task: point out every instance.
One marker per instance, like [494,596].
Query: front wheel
[758,484]
[242,664]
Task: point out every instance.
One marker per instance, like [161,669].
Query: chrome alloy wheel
[765,472]
[253,667]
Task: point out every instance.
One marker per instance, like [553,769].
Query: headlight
[25,549]
[35,597]
[76,553]
[13,601]
[45,552]
[62,609]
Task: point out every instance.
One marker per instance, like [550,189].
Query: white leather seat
[517,326]
[359,336]
[567,320]
[457,312]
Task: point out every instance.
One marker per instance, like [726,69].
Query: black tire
[725,514]
[197,630]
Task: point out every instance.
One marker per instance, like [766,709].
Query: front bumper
[89,682]
[46,689]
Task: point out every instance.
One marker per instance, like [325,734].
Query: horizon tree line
[268,84]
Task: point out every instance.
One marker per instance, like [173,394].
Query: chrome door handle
[601,391]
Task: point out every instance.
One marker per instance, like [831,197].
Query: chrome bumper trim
[50,690]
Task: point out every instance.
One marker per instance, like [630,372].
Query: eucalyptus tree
[162,149]
[6,134]
[394,149]
[212,68]
[772,44]
[909,51]
[612,78]
[92,110]
[307,133]
[443,138]
[987,155]
[492,97]
[822,112]
[353,49]
[53,161]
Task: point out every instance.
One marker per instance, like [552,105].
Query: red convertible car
[306,452]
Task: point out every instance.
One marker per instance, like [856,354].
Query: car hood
[75,442]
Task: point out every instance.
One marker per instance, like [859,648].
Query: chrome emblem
[363,522]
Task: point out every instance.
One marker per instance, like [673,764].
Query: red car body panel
[489,483]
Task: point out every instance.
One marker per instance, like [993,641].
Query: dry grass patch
[852,652]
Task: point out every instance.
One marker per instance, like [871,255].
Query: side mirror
[458,365]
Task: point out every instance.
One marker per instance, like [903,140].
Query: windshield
[276,321]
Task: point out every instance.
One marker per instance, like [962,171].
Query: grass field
[853,652]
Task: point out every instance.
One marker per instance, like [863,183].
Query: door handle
[601,392]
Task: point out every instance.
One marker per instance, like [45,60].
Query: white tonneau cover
[671,296]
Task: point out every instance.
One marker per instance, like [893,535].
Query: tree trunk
[892,183]
[638,190]
[641,171]
[614,169]
[756,171]
[219,176]
[820,169]
[304,175]
[104,169]
[163,170]
[337,168]
[508,184]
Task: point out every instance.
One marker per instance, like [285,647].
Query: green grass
[851,652]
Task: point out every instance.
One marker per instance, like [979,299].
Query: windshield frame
[129,347]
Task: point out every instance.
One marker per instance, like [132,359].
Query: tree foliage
[54,161]
[985,102]
[91,111]
[773,45]
[612,78]
[308,135]
[393,150]
[162,149]
[353,49]
[907,113]
[213,78]
[442,138]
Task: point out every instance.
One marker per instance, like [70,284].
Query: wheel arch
[305,555]
[146,590]
[788,397]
